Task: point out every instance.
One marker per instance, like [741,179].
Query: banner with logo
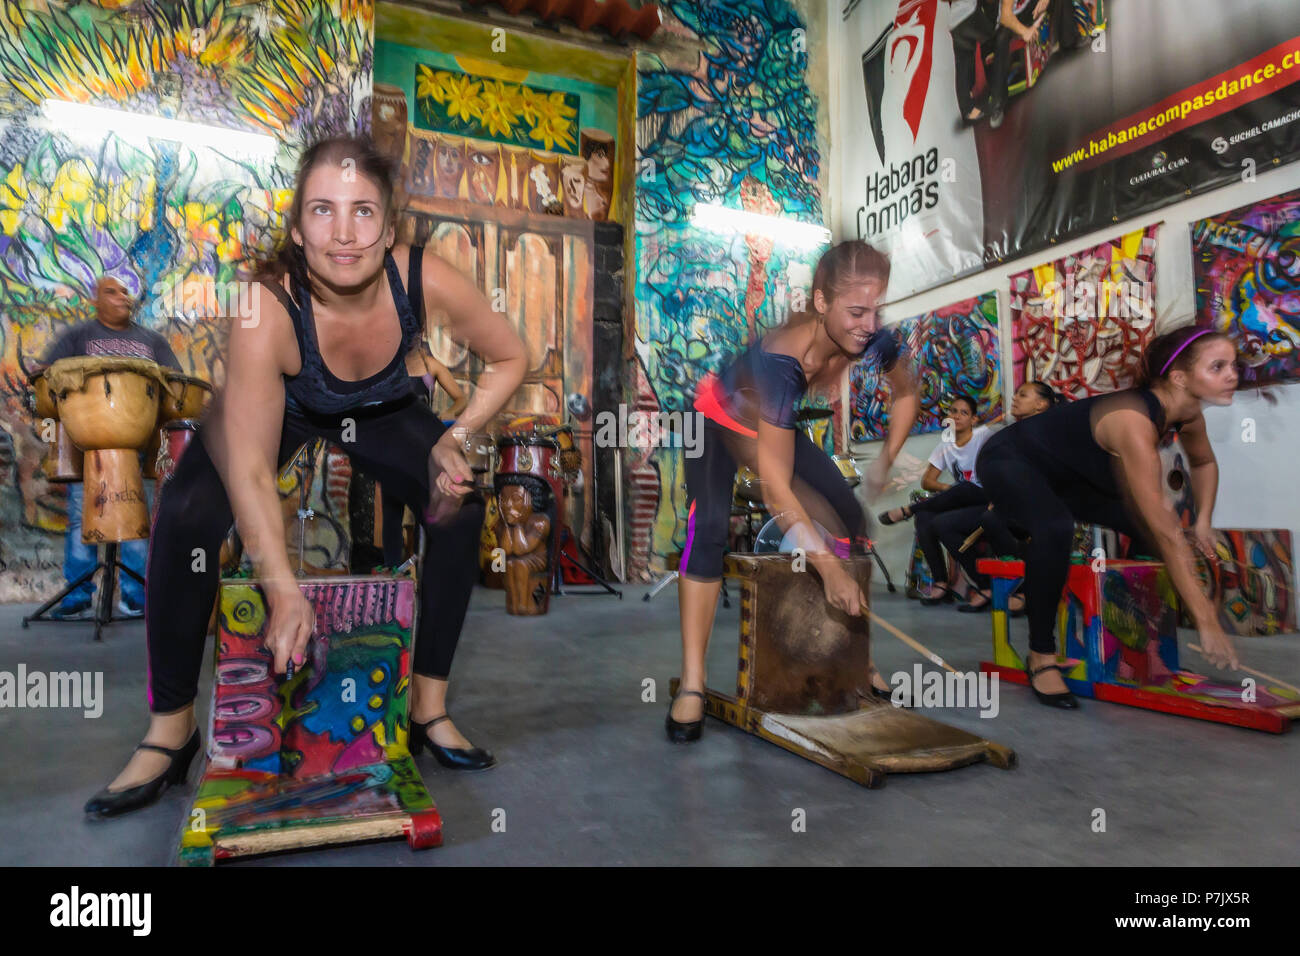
[1109,109]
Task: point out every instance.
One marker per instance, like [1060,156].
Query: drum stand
[557,575]
[104,609]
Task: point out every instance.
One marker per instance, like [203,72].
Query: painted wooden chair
[319,758]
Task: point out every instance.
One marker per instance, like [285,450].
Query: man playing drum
[111,332]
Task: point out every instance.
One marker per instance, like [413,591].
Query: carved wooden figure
[523,535]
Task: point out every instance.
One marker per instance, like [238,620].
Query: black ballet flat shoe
[475,758]
[884,518]
[888,697]
[1066,701]
[111,803]
[947,597]
[689,731]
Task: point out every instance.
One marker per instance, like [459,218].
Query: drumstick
[911,642]
[1251,670]
[971,538]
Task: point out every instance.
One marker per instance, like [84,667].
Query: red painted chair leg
[424,830]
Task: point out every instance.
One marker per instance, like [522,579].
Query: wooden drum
[109,406]
[183,399]
[62,458]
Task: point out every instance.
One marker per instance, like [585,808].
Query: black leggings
[194,514]
[710,490]
[1047,509]
[945,520]
[978,30]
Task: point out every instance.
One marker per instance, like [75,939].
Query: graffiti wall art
[954,350]
[1081,323]
[737,127]
[1246,264]
[178,224]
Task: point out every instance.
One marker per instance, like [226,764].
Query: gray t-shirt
[95,338]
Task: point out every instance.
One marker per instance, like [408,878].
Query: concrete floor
[586,775]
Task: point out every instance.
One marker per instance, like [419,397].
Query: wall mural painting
[954,350]
[737,127]
[1080,323]
[176,224]
[1246,264]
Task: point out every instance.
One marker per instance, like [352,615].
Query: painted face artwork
[449,169]
[573,181]
[484,173]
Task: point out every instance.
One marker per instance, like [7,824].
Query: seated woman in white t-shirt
[952,514]
[956,455]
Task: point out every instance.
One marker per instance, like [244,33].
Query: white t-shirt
[959,461]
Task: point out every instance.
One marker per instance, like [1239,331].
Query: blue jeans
[78,557]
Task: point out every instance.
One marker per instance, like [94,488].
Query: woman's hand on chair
[291,622]
[843,592]
[1216,646]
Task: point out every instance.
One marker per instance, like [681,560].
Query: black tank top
[1060,440]
[315,390]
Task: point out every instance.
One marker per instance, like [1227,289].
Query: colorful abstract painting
[160,215]
[1252,581]
[448,101]
[321,756]
[1081,323]
[953,350]
[1246,264]
[737,127]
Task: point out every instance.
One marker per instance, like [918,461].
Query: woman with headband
[1096,460]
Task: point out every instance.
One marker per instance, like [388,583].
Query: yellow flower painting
[449,101]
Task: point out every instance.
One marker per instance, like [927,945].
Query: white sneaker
[127,612]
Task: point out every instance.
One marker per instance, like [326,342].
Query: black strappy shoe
[110,803]
[884,518]
[689,731]
[969,608]
[948,596]
[475,758]
[1065,701]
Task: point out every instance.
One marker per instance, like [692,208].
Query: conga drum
[184,398]
[177,436]
[62,458]
[537,455]
[109,406]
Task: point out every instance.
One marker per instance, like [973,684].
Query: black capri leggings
[945,520]
[1047,508]
[710,487]
[390,442]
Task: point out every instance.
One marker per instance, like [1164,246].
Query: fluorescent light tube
[70,117]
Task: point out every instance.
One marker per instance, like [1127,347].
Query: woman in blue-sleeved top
[749,412]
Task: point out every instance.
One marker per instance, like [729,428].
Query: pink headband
[1178,351]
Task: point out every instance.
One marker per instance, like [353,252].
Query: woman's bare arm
[243,438]
[449,385]
[930,480]
[1131,437]
[1203,468]
[487,333]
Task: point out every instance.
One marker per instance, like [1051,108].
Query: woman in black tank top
[1096,460]
[323,355]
